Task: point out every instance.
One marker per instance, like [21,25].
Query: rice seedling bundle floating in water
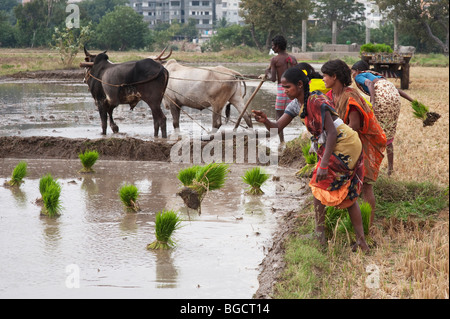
[423,113]
[198,180]
[255,178]
[18,174]
[166,223]
[88,159]
[51,199]
[129,194]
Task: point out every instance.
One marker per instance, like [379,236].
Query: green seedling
[88,159]
[166,223]
[51,198]
[18,174]
[128,195]
[255,178]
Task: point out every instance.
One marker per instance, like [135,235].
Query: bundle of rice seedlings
[207,178]
[166,223]
[44,182]
[129,194]
[187,175]
[19,172]
[310,160]
[255,177]
[50,197]
[423,113]
[88,159]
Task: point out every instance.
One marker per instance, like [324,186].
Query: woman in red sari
[354,111]
[338,177]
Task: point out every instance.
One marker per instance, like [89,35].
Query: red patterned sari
[344,182]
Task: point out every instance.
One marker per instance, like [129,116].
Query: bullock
[200,88]
[112,84]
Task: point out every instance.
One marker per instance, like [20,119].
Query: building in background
[229,9]
[166,11]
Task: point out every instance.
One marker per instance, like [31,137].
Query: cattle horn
[160,58]
[86,64]
[86,52]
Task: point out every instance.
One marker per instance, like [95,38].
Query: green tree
[229,37]
[93,10]
[37,19]
[121,29]
[69,42]
[432,16]
[7,34]
[274,17]
[342,12]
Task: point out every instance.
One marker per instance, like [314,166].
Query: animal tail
[227,112]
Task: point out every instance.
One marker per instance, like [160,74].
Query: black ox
[112,84]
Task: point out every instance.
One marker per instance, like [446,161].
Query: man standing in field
[278,65]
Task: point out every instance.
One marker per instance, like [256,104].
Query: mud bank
[63,74]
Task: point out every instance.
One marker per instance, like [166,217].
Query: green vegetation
[51,198]
[187,175]
[403,200]
[18,174]
[88,159]
[337,221]
[421,112]
[315,272]
[310,160]
[68,43]
[166,223]
[430,60]
[207,178]
[44,182]
[129,194]
[376,48]
[255,178]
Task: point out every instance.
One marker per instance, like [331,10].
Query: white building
[229,9]
[167,11]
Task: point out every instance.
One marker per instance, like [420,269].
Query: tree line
[115,26]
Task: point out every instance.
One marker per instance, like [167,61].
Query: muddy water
[66,108]
[97,244]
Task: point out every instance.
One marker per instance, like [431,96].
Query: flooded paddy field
[64,107]
[96,249]
[218,253]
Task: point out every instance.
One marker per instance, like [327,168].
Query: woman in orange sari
[354,111]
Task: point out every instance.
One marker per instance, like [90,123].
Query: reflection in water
[166,272]
[19,196]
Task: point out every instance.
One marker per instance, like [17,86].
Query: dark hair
[312,74]
[340,69]
[295,75]
[280,41]
[361,65]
